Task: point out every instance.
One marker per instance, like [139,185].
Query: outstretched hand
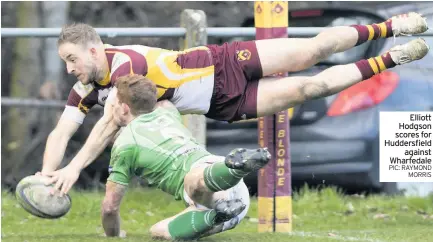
[64,179]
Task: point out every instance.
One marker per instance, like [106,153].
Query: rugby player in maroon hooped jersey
[226,82]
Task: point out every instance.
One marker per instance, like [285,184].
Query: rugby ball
[34,196]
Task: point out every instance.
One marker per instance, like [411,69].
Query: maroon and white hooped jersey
[186,78]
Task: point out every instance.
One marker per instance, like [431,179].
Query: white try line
[335,236]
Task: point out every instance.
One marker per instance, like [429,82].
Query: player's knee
[160,231]
[322,48]
[194,184]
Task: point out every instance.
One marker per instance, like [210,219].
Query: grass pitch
[324,215]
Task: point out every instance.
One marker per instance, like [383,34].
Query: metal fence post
[194,21]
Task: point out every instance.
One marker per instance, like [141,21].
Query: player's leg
[160,229]
[193,223]
[237,192]
[202,184]
[240,191]
[277,94]
[294,54]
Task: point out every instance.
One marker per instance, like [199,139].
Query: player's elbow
[109,208]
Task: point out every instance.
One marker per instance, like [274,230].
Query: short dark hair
[78,33]
[138,92]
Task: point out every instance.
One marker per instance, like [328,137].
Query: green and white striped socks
[219,177]
[191,225]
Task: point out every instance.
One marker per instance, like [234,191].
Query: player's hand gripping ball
[35,197]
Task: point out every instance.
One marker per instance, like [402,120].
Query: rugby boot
[411,51]
[408,24]
[227,209]
[248,160]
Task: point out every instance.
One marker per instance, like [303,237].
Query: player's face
[80,61]
[119,112]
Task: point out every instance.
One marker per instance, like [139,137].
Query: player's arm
[71,119]
[117,182]
[111,208]
[56,144]
[105,129]
[100,136]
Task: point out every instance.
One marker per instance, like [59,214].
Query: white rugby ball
[34,196]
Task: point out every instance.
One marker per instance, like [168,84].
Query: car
[335,140]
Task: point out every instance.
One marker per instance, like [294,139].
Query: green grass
[318,216]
